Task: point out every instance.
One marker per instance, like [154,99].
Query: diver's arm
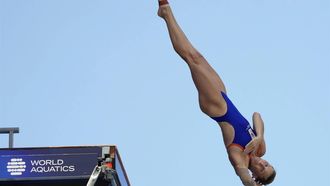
[241,169]
[258,125]
[244,175]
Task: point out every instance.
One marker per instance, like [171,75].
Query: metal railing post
[10,132]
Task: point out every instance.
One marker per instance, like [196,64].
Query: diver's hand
[253,145]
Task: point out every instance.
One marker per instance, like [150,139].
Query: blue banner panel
[47,163]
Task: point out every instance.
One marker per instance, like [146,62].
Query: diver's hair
[266,181]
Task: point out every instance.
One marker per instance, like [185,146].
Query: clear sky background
[85,72]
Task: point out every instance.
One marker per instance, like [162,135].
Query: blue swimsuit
[243,131]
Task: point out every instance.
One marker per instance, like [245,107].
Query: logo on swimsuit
[16,166]
[251,133]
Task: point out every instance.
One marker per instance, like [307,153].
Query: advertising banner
[48,163]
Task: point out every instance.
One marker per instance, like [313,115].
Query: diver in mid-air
[245,145]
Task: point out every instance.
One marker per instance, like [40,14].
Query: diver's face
[260,168]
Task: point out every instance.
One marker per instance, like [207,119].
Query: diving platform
[98,165]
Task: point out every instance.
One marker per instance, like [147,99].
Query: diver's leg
[207,81]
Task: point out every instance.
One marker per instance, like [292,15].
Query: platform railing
[11,132]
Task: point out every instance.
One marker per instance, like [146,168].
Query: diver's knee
[191,56]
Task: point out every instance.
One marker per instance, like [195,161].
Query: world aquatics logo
[16,166]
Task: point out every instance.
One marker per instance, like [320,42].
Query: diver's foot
[163,8]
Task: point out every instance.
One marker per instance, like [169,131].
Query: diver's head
[263,172]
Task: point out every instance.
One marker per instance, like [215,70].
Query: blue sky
[104,72]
